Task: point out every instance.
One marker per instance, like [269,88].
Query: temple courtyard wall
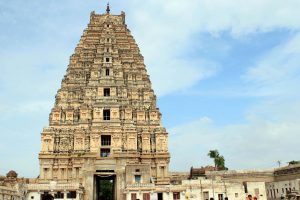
[235,185]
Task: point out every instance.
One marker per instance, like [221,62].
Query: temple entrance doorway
[47,196]
[105,187]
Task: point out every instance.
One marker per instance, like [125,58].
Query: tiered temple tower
[105,123]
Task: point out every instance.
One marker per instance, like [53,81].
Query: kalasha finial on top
[107,8]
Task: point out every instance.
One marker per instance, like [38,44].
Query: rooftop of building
[290,166]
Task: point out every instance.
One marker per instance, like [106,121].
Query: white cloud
[218,15]
[180,74]
[257,143]
[277,72]
[163,45]
[26,107]
[165,30]
[270,131]
[35,106]
[271,128]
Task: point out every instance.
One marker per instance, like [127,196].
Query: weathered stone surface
[106,92]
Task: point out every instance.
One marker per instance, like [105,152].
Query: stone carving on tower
[105,116]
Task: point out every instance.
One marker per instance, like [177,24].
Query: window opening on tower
[104,152]
[105,140]
[137,178]
[106,114]
[106,92]
[107,72]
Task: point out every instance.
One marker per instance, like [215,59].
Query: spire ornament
[107,8]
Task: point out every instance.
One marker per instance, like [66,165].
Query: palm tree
[214,154]
[220,161]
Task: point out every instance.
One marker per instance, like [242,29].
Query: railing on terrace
[53,186]
[140,185]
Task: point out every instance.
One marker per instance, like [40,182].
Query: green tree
[219,160]
[294,162]
[214,154]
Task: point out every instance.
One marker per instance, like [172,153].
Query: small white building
[67,191]
[286,181]
[199,189]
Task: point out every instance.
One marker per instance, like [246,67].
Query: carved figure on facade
[152,142]
[56,146]
[87,143]
[64,145]
[139,142]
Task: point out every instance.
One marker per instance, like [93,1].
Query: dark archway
[105,187]
[47,197]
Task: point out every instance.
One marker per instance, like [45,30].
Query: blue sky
[226,73]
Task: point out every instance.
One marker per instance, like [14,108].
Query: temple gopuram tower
[105,128]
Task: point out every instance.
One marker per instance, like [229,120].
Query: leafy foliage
[294,162]
[219,160]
